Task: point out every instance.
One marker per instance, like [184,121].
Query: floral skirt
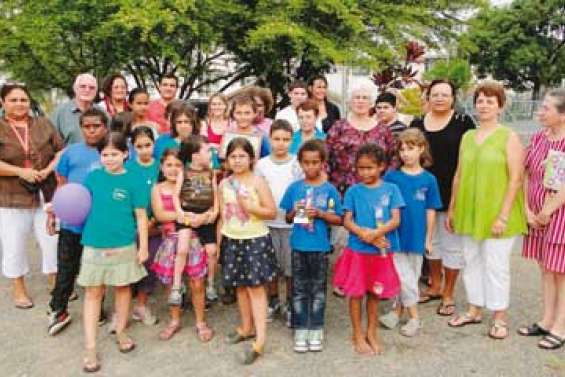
[164,263]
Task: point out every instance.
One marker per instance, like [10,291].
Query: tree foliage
[458,71]
[522,44]
[46,43]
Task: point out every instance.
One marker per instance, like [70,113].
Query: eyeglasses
[84,86]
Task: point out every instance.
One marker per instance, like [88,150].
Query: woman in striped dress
[545,193]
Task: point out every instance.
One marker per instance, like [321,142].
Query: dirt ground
[27,349]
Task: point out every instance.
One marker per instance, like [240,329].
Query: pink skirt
[358,274]
[164,263]
[550,256]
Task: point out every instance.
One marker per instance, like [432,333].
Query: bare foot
[375,345]
[361,346]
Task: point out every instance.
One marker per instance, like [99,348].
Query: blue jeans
[309,276]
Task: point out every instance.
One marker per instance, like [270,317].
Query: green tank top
[482,186]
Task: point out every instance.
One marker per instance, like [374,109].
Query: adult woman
[546,219]
[214,127]
[264,104]
[487,209]
[328,112]
[28,154]
[115,89]
[347,135]
[184,122]
[444,129]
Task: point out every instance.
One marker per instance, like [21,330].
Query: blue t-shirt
[265,147]
[420,192]
[111,221]
[163,143]
[148,174]
[76,162]
[297,140]
[367,204]
[326,198]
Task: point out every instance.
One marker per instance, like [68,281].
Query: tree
[522,44]
[458,71]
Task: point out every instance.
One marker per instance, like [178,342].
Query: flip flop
[428,297]
[532,330]
[464,320]
[169,331]
[23,304]
[552,342]
[204,333]
[446,310]
[496,327]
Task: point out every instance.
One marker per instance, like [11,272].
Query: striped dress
[547,245]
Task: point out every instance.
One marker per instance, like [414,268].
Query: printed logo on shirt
[385,200]
[321,201]
[119,194]
[420,194]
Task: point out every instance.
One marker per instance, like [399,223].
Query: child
[146,167]
[248,257]
[420,190]
[244,113]
[307,115]
[138,100]
[74,165]
[196,204]
[280,169]
[164,264]
[372,210]
[110,257]
[297,93]
[184,122]
[320,202]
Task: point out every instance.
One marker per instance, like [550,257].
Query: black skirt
[248,262]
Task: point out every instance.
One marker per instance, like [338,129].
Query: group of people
[269,199]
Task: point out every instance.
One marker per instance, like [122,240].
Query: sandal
[427,297]
[204,333]
[169,331]
[533,330]
[236,337]
[90,361]
[445,310]
[125,343]
[497,326]
[464,320]
[551,342]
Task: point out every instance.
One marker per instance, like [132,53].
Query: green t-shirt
[111,221]
[482,186]
[148,174]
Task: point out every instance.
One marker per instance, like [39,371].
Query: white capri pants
[408,266]
[16,226]
[486,275]
[446,246]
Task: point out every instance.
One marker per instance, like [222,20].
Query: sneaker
[389,320]
[144,316]
[57,322]
[273,308]
[315,338]
[211,294]
[301,341]
[175,297]
[411,328]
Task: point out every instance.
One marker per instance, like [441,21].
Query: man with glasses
[66,116]
[76,162]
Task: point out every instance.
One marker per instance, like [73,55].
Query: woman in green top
[487,211]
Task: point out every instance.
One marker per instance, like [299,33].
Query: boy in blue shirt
[76,162]
[312,204]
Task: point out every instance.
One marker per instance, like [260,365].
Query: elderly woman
[28,152]
[328,113]
[444,128]
[545,210]
[487,209]
[346,136]
[115,89]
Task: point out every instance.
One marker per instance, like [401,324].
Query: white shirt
[279,175]
[290,115]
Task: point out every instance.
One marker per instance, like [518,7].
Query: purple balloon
[71,203]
